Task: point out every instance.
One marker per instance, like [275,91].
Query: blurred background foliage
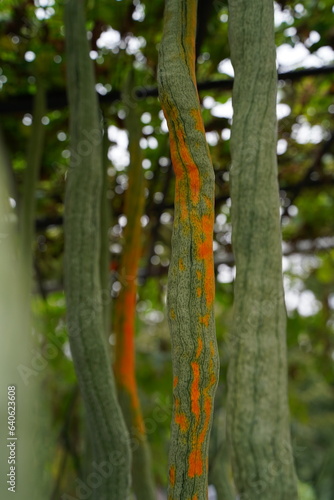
[125,34]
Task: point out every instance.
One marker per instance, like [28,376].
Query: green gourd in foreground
[111,451]
[191,274]
[258,416]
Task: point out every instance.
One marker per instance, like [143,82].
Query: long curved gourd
[191,273]
[125,315]
[258,417]
[111,451]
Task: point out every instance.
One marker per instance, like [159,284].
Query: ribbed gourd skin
[258,416]
[191,274]
[109,436]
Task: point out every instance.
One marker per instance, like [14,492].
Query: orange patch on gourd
[181,199]
[191,167]
[175,381]
[182,159]
[199,348]
[182,421]
[205,253]
[212,351]
[181,265]
[204,320]
[180,418]
[172,473]
[180,186]
[177,165]
[195,390]
[199,275]
[209,284]
[209,204]
[207,411]
[197,116]
[195,466]
[189,43]
[205,247]
[199,291]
